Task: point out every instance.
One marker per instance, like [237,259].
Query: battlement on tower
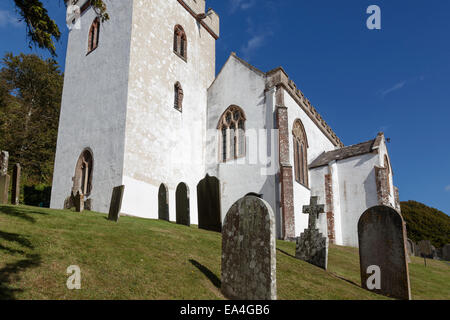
[210,19]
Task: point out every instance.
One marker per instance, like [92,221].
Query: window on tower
[300,153]
[180,42]
[94,35]
[232,134]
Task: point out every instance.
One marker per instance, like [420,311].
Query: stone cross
[313,210]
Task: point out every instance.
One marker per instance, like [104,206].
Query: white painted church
[143,107]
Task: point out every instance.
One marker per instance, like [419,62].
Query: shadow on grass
[19,212]
[208,273]
[9,275]
[288,254]
[14,237]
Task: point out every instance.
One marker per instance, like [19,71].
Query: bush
[38,195]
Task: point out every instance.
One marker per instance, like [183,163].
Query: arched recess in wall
[82,180]
[300,147]
[163,202]
[232,134]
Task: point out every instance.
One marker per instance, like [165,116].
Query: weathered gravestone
[411,246]
[312,246]
[426,249]
[182,204]
[79,202]
[163,203]
[116,203]
[249,251]
[446,252]
[4,177]
[208,201]
[382,246]
[15,190]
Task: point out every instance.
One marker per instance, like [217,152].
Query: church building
[143,107]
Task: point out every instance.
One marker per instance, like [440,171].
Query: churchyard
[155,259]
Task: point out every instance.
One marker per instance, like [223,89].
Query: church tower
[134,104]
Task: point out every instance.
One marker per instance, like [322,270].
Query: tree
[29,113]
[42,31]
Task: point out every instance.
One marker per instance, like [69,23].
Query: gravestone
[249,251]
[382,243]
[208,201]
[15,190]
[116,203]
[182,205]
[79,202]
[446,252]
[426,249]
[4,177]
[410,245]
[163,203]
[312,246]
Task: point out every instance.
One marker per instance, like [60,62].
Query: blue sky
[362,81]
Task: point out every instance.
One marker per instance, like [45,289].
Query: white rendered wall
[93,107]
[237,84]
[162,144]
[358,192]
[318,143]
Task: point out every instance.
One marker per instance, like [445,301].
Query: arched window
[388,174]
[94,35]
[300,153]
[83,173]
[180,42]
[178,96]
[232,134]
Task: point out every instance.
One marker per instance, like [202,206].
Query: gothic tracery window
[232,134]
[180,42]
[300,153]
[94,35]
[178,97]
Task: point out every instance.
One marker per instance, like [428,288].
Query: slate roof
[343,153]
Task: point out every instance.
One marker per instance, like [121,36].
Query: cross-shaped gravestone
[313,210]
[312,246]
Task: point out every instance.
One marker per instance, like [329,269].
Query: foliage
[38,195]
[29,114]
[43,31]
[150,259]
[425,223]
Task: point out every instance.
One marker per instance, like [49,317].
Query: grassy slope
[148,259]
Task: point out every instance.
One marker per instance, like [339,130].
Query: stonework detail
[381,176]
[329,208]
[382,243]
[397,200]
[312,246]
[249,251]
[286,175]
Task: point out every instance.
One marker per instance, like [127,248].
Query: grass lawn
[150,259]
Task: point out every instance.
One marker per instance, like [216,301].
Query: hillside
[426,223]
[150,259]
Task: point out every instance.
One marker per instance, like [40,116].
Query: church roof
[343,153]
